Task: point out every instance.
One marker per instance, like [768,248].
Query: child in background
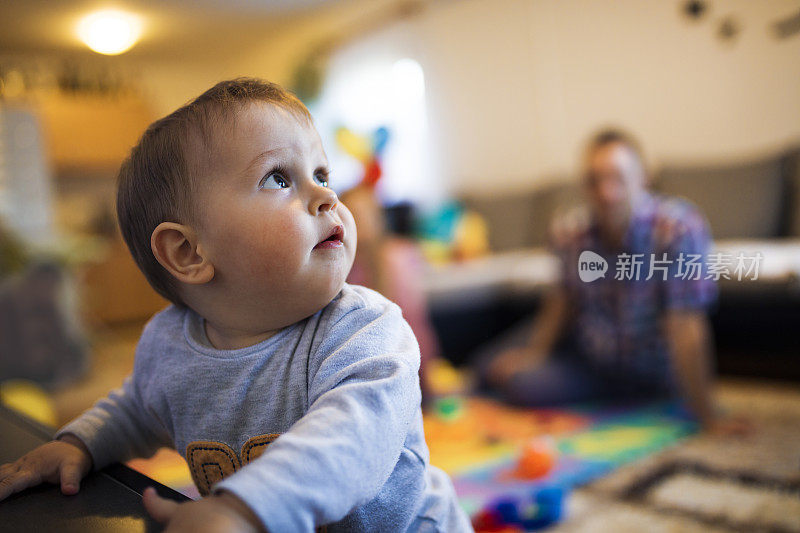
[293,395]
[394,266]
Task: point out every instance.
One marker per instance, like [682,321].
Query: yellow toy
[29,399]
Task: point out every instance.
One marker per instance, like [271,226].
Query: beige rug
[708,483]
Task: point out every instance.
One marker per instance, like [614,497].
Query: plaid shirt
[618,318]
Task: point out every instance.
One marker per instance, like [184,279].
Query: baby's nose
[324,200]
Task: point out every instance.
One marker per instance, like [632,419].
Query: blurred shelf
[91,132]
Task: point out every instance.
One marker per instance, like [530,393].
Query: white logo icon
[591,266]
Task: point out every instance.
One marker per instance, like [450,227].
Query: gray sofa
[757,199]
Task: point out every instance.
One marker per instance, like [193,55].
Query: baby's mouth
[334,240]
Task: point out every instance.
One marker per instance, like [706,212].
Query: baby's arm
[363,398]
[118,427]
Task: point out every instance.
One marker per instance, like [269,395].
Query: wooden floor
[111,359]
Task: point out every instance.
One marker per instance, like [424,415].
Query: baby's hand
[221,513]
[66,461]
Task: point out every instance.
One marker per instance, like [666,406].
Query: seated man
[641,329]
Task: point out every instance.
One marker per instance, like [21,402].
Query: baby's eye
[273,181]
[322,178]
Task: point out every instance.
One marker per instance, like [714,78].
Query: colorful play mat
[505,458]
[497,453]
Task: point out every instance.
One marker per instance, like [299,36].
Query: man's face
[614,181]
[280,241]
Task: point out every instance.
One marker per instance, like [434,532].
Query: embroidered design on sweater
[210,462]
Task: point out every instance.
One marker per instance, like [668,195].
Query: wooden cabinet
[115,291]
[91,131]
[86,139]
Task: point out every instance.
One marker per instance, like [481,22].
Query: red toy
[537,459]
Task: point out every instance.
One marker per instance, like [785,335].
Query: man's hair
[608,136]
[157,180]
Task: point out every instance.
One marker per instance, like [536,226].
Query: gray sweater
[319,424]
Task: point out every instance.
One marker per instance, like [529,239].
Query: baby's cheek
[350,229]
[277,254]
[272,264]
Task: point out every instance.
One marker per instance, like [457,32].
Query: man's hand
[511,362]
[64,461]
[689,338]
[727,426]
[547,328]
[220,513]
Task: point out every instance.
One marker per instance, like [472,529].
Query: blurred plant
[308,76]
[13,255]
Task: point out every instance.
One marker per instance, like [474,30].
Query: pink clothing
[404,269]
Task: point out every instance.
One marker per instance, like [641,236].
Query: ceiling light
[110,32]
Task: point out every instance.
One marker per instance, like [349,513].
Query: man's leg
[562,378]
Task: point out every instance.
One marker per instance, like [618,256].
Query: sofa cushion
[522,219]
[509,217]
[791,169]
[739,201]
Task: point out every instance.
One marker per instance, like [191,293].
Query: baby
[293,395]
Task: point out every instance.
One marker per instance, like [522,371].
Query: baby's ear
[175,247]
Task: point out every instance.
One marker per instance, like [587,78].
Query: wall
[516,86]
[171,83]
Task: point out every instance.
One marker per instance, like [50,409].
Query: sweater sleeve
[362,399]
[119,427]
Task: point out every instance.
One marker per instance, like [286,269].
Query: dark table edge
[129,478]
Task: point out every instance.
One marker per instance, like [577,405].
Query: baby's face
[280,241]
